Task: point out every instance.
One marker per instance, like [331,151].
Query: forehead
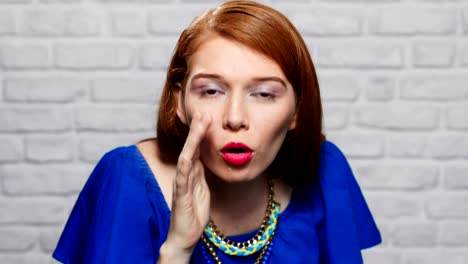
[231,59]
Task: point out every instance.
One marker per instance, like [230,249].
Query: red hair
[269,32]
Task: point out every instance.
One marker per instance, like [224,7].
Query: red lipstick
[236,153]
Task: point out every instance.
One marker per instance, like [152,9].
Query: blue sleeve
[116,218]
[349,225]
[71,245]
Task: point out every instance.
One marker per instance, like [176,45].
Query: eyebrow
[221,79]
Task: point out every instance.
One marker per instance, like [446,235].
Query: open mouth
[236,154]
[236,150]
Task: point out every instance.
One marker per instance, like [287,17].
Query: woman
[240,171]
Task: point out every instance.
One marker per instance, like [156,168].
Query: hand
[191,196]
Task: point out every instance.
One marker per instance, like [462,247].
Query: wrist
[170,253]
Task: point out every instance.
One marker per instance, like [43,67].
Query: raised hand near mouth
[191,198]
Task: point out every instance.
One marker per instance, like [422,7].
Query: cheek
[192,106]
[275,121]
[207,146]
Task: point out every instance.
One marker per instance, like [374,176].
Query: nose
[235,114]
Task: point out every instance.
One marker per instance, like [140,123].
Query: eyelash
[210,91]
[265,95]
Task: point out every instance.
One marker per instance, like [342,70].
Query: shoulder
[349,225]
[334,168]
[331,151]
[163,173]
[113,155]
[109,169]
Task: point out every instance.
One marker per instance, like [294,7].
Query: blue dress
[121,216]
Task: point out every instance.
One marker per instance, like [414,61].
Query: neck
[238,208]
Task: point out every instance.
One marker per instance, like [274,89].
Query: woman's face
[251,103]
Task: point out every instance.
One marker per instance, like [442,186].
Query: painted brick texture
[80,77]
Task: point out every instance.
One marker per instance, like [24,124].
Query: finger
[198,128]
[201,196]
[189,152]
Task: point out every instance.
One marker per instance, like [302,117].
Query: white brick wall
[79,77]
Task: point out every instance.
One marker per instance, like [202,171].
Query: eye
[211,90]
[264,95]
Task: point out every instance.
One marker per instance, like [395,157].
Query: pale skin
[201,185]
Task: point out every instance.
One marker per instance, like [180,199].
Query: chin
[234,174]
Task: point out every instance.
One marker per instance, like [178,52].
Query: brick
[356,145]
[134,1]
[156,56]
[414,20]
[31,180]
[34,118]
[448,146]
[394,205]
[386,231]
[464,55]
[398,177]
[16,239]
[326,22]
[339,87]
[454,233]
[447,206]
[380,88]
[45,89]
[382,256]
[82,23]
[12,149]
[435,256]
[456,176]
[115,118]
[292,1]
[49,148]
[93,147]
[335,116]
[433,54]
[127,89]
[415,234]
[24,56]
[407,146]
[173,19]
[434,87]
[48,238]
[398,116]
[363,1]
[209,1]
[457,117]
[60,22]
[1,87]
[434,1]
[29,258]
[128,23]
[31,211]
[359,55]
[60,1]
[15,1]
[43,22]
[465,20]
[94,56]
[7,23]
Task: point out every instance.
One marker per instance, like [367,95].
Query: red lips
[236,154]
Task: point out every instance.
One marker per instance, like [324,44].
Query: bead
[262,241]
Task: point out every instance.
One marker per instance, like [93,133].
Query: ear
[180,106]
[292,125]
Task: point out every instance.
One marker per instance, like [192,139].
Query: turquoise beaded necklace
[262,241]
